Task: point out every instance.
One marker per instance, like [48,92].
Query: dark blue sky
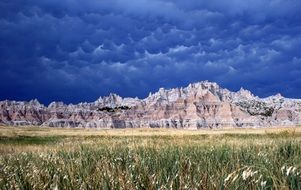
[78,50]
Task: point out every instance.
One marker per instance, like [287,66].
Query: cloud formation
[79,50]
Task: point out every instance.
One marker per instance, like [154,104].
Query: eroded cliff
[199,105]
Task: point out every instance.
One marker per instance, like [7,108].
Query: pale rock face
[199,105]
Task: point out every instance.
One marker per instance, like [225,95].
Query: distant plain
[42,157]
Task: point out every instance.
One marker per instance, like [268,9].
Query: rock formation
[200,105]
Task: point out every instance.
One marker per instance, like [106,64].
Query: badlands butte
[199,105]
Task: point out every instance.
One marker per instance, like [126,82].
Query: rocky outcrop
[199,105]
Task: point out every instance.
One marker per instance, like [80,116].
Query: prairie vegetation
[46,158]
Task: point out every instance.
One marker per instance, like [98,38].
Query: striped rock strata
[200,105]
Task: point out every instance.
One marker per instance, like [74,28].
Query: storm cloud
[78,50]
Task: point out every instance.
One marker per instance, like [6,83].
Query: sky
[79,50]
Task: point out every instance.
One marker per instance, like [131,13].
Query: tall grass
[157,162]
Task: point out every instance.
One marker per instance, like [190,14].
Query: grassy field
[47,158]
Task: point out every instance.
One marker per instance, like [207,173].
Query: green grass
[30,140]
[224,161]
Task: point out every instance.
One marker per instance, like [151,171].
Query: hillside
[199,105]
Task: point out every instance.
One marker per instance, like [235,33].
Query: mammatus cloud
[79,50]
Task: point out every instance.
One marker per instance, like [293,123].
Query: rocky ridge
[199,105]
